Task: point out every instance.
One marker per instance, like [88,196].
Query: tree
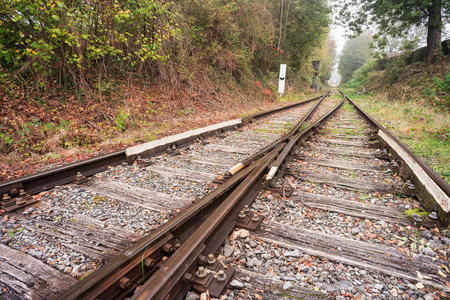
[303,29]
[396,17]
[326,55]
[354,55]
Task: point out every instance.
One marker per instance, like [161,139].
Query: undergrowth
[422,127]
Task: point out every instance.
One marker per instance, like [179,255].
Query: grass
[263,130]
[422,127]
[417,211]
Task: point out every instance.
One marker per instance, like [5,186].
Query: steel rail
[88,288]
[436,178]
[107,279]
[165,284]
[48,179]
[160,285]
[302,135]
[275,110]
[284,138]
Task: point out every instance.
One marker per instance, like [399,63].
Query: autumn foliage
[73,72]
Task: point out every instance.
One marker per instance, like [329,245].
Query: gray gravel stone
[228,250]
[192,296]
[356,230]
[445,241]
[428,296]
[344,284]
[236,284]
[294,253]
[426,234]
[249,263]
[287,285]
[428,251]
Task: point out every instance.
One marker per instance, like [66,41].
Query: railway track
[325,219]
[76,228]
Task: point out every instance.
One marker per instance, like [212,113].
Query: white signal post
[282,79]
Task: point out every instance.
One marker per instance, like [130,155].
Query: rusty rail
[431,202]
[168,257]
[23,187]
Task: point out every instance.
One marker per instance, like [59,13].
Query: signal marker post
[282,80]
[316,66]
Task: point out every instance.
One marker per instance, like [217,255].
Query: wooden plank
[273,288]
[105,228]
[348,136]
[343,164]
[246,144]
[341,142]
[211,161]
[279,122]
[262,134]
[26,277]
[346,183]
[345,152]
[346,126]
[139,196]
[184,174]
[158,146]
[228,149]
[270,126]
[352,208]
[430,191]
[375,257]
[85,235]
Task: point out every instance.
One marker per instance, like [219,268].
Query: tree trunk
[434,26]
[281,25]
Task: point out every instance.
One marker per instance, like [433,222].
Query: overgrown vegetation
[74,45]
[413,101]
[423,127]
[361,75]
[81,46]
[396,18]
[355,54]
[76,73]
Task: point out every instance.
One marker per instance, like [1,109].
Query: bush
[54,44]
[361,75]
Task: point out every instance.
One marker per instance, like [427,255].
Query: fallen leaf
[442,273]
[420,285]
[419,275]
[394,292]
[435,230]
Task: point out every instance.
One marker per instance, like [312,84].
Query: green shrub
[361,75]
[121,120]
[56,43]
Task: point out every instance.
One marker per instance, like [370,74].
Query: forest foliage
[396,18]
[74,73]
[355,54]
[81,47]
